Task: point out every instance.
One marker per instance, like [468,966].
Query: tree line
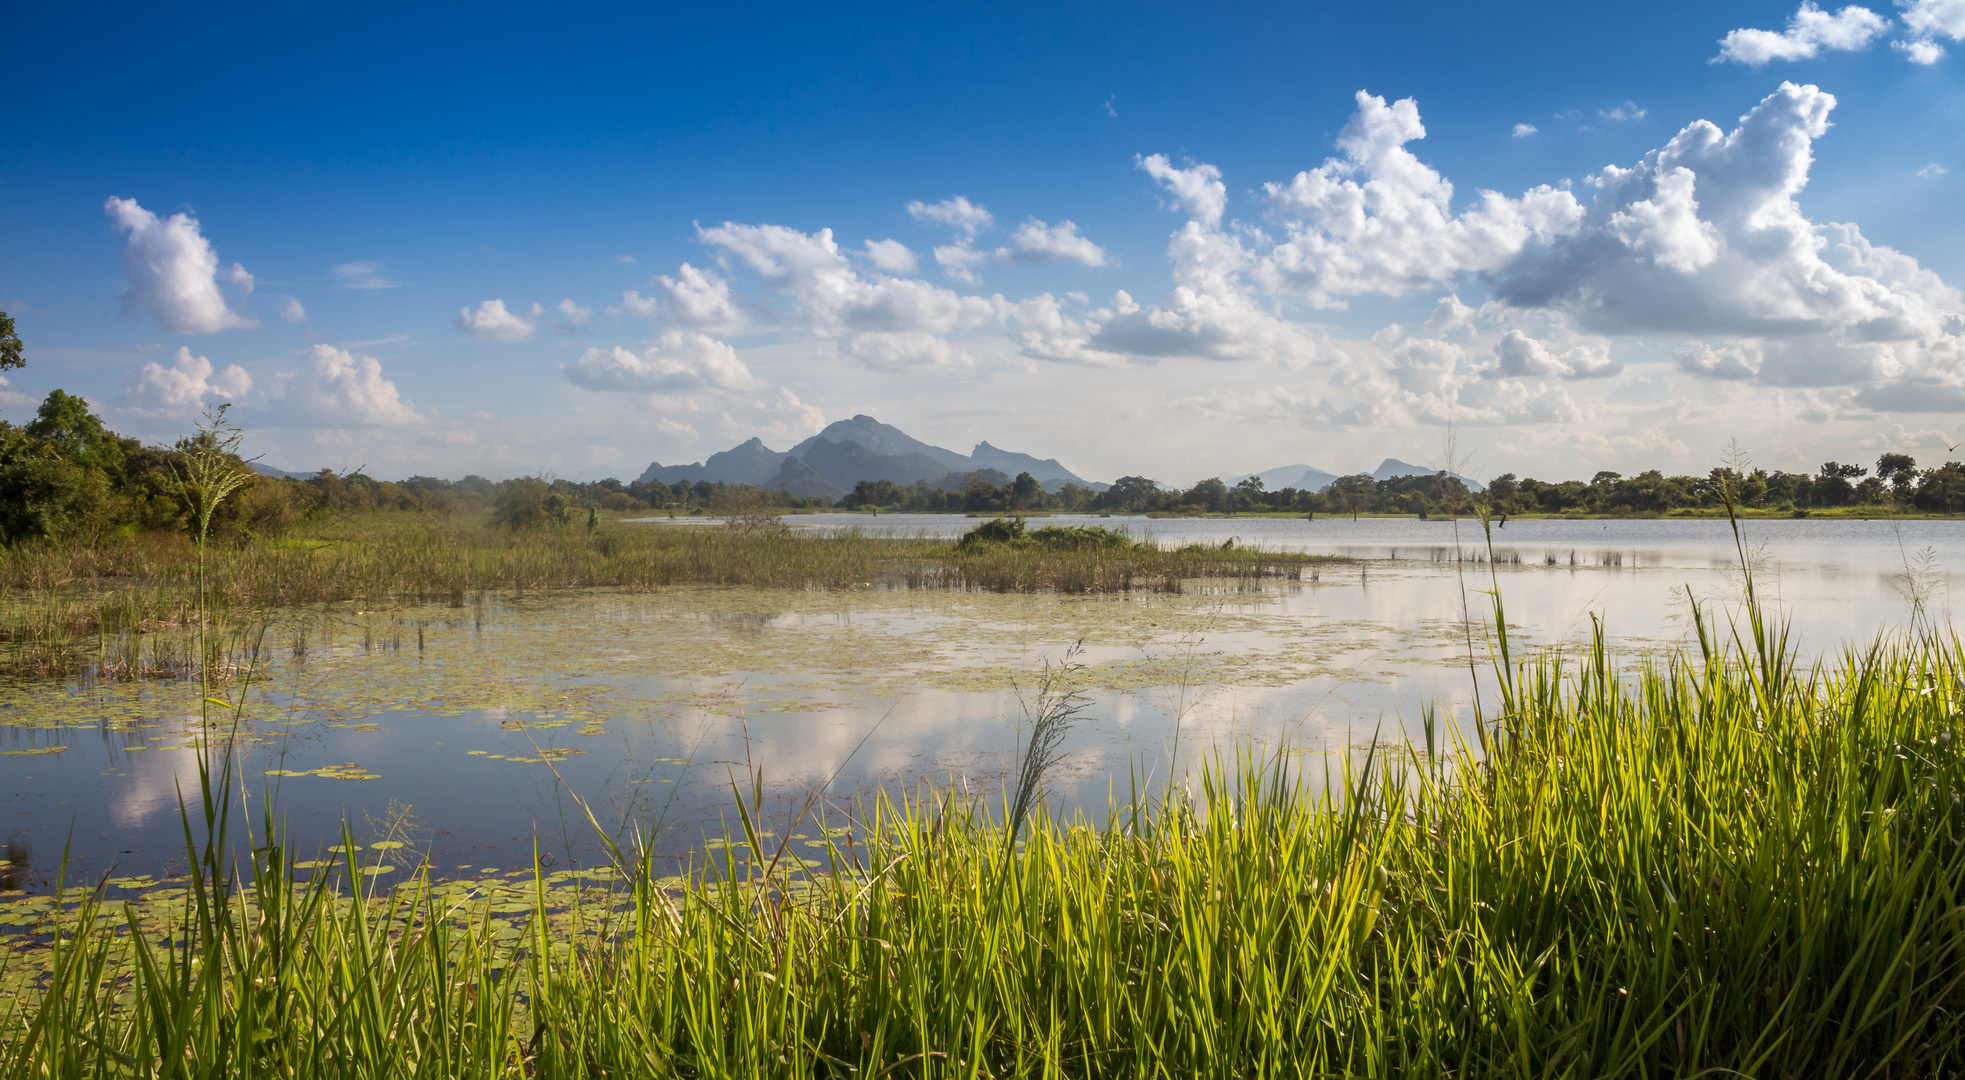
[1896,484]
[65,475]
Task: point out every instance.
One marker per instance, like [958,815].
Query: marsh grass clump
[1727,862]
[1012,531]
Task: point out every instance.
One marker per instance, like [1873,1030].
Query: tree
[1129,492]
[1943,488]
[10,346]
[1025,491]
[528,502]
[59,474]
[1353,493]
[1247,494]
[743,508]
[1832,487]
[1899,470]
[873,493]
[65,423]
[1210,494]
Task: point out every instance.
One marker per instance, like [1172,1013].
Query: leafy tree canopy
[10,354]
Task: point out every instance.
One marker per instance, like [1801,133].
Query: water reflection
[16,861]
[486,717]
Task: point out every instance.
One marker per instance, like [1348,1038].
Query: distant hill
[848,463]
[673,474]
[881,439]
[1300,477]
[1393,467]
[278,474]
[849,451]
[985,456]
[749,462]
[797,478]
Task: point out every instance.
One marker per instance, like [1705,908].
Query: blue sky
[1171,240]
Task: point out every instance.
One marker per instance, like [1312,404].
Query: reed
[1723,862]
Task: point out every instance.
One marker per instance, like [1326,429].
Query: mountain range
[830,463]
[1311,478]
[848,451]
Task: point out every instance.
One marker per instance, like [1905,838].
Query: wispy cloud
[365,274]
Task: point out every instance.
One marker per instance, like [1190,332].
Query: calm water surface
[475,726]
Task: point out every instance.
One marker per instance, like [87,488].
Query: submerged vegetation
[64,606]
[1734,862]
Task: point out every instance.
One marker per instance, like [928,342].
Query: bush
[993,531]
[1082,538]
[1011,531]
[527,503]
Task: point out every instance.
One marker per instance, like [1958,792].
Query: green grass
[1725,863]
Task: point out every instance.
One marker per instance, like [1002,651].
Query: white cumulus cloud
[699,299]
[1521,356]
[181,388]
[1929,20]
[1036,242]
[891,256]
[683,360]
[339,389]
[1935,18]
[958,213]
[1212,312]
[902,351]
[1033,242]
[291,310]
[1197,190]
[493,322]
[1704,236]
[1920,50]
[572,317]
[1704,239]
[174,272]
[1378,220]
[832,299]
[1523,131]
[1809,31]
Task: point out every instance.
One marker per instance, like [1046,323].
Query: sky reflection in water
[650,706]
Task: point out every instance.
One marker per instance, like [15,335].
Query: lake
[469,730]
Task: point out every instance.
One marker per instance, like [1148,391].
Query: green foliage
[1942,489]
[209,469]
[993,531]
[1081,538]
[1013,532]
[64,475]
[529,503]
[10,345]
[976,492]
